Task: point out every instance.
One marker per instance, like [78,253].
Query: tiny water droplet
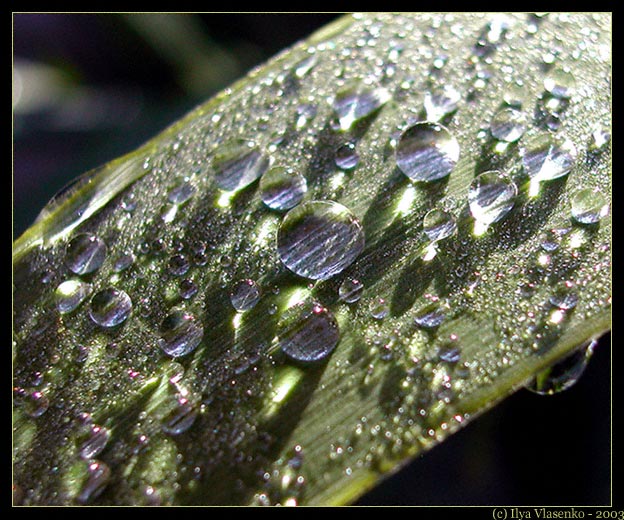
[350,290]
[439,224]
[180,419]
[98,477]
[238,164]
[588,206]
[319,239]
[508,125]
[70,294]
[356,102]
[441,104]
[282,189]
[110,307]
[427,152]
[347,157]
[559,83]
[180,334]
[308,332]
[549,158]
[96,442]
[85,253]
[245,295]
[491,196]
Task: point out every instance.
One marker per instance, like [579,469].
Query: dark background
[94,87]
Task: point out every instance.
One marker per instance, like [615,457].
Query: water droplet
[124,261]
[35,403]
[515,95]
[110,307]
[600,138]
[588,206]
[282,189]
[491,35]
[508,125]
[98,476]
[181,193]
[188,289]
[354,103]
[305,65]
[238,164]
[430,316]
[178,265]
[549,158]
[180,334]
[85,253]
[449,353]
[559,83]
[379,309]
[319,239]
[346,157]
[439,224]
[440,105]
[95,444]
[245,295]
[564,297]
[305,113]
[70,294]
[180,419]
[563,374]
[350,290]
[128,202]
[308,332]
[427,152]
[492,195]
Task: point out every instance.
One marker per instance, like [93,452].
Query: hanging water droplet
[350,290]
[439,224]
[356,102]
[347,157]
[308,332]
[85,253]
[178,265]
[238,164]
[180,334]
[564,297]
[508,125]
[110,307]
[181,418]
[441,104]
[588,206]
[563,374]
[98,476]
[427,152]
[319,239]
[282,189]
[379,309]
[430,316]
[95,444]
[35,403]
[559,83]
[245,295]
[549,158]
[70,294]
[491,196]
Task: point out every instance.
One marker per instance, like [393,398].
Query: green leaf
[155,389]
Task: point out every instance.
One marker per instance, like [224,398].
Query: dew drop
[564,297]
[427,152]
[508,125]
[350,290]
[449,353]
[178,265]
[188,289]
[439,224]
[440,105]
[559,83]
[430,316]
[379,309]
[85,253]
[588,206]
[356,102]
[282,189]
[181,193]
[347,157]
[245,295]
[98,477]
[123,262]
[180,334]
[305,65]
[96,442]
[308,332]
[238,164]
[515,95]
[110,307]
[35,403]
[180,419]
[550,158]
[490,198]
[319,239]
[70,294]
[600,138]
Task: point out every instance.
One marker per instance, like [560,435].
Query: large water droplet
[588,206]
[238,164]
[98,477]
[95,443]
[319,239]
[85,253]
[282,189]
[180,334]
[356,102]
[308,332]
[427,152]
[559,83]
[70,294]
[550,158]
[110,307]
[245,295]
[563,374]
[491,196]
[441,104]
[350,290]
[508,125]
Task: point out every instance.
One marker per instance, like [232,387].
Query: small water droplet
[491,35]
[305,113]
[515,95]
[559,83]
[439,224]
[128,202]
[600,138]
[350,290]
[181,418]
[564,297]
[347,157]
[319,239]
[245,295]
[305,65]
[282,189]
[430,316]
[180,334]
[492,195]
[178,265]
[123,262]
[85,253]
[449,353]
[35,403]
[181,193]
[379,309]
[508,125]
[70,294]
[549,158]
[238,164]
[356,102]
[95,443]
[427,152]
[441,104]
[308,332]
[110,307]
[98,477]
[188,289]
[588,206]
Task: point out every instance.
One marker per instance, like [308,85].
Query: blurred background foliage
[88,88]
